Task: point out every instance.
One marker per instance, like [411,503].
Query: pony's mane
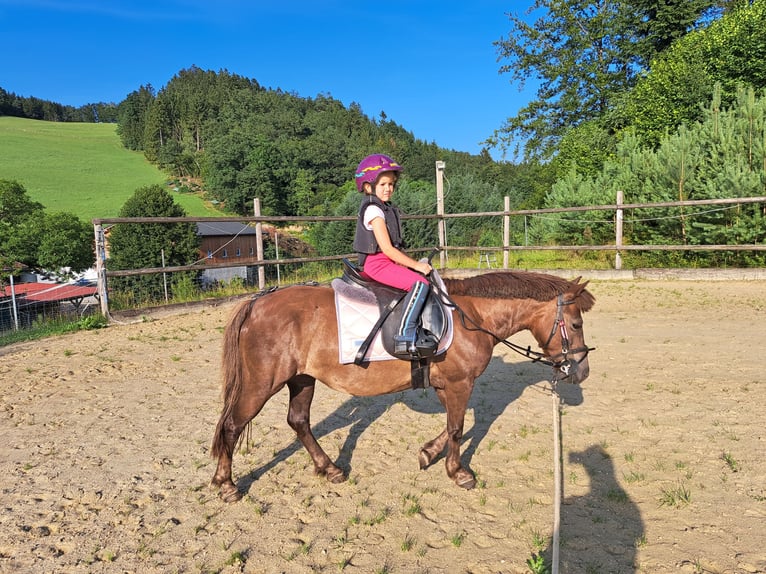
[518,285]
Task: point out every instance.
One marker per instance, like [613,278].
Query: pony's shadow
[358,413]
[600,530]
[517,378]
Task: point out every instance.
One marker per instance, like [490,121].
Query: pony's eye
[577,326]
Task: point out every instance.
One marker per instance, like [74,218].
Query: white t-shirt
[371,213]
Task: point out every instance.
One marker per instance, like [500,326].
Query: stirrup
[404,346]
[426,345]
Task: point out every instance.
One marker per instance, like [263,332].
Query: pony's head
[561,329]
[554,308]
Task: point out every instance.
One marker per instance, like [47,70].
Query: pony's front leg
[299,419]
[456,401]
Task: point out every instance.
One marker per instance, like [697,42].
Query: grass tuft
[676,497]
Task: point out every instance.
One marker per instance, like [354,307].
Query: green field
[79,167]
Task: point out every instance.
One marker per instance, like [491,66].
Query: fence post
[276,251]
[101,287]
[164,275]
[618,232]
[259,244]
[506,231]
[442,223]
[14,306]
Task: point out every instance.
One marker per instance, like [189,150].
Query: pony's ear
[584,297]
[581,286]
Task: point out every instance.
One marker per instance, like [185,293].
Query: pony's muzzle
[571,371]
[565,370]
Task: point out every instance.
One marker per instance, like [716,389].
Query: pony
[288,337]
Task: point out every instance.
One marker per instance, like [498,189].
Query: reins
[536,356]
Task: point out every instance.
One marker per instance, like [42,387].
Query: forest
[663,101]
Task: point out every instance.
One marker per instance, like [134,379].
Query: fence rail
[506,248]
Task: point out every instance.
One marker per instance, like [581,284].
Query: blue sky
[430,66]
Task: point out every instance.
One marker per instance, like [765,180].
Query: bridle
[565,367]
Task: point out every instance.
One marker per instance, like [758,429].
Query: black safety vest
[364,240]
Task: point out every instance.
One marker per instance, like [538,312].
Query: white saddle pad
[356,318]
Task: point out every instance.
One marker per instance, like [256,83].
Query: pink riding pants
[383,270]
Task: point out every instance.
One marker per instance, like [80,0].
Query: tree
[184,114]
[140,245]
[337,237]
[731,52]
[263,176]
[65,241]
[304,197]
[15,205]
[17,214]
[584,53]
[132,117]
[722,156]
[39,240]
[575,50]
[584,148]
[660,24]
[156,134]
[52,242]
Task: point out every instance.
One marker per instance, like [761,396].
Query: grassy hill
[81,168]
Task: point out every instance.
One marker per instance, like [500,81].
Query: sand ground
[105,467]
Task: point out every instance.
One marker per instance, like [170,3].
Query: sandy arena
[105,467]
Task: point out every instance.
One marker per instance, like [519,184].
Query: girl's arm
[384,242]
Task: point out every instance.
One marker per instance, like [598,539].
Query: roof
[225,228]
[50,292]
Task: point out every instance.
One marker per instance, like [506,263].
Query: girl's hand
[423,267]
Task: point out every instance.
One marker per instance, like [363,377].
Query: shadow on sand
[358,413]
[600,530]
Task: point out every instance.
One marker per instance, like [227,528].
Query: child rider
[379,241]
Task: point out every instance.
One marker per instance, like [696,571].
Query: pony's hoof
[332,474]
[230,493]
[337,479]
[465,479]
[424,460]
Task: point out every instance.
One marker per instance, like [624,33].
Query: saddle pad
[356,318]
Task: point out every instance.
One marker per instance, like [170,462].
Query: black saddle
[432,328]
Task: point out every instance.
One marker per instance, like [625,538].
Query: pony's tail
[232,375]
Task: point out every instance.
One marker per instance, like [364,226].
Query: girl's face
[385,185]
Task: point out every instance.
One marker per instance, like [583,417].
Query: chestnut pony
[289,337]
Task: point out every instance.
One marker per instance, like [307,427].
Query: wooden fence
[506,248]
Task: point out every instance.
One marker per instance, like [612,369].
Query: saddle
[433,327]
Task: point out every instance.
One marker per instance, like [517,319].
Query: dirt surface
[104,456]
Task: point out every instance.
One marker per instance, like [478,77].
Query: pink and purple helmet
[371,167]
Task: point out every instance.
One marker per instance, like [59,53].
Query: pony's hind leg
[233,421]
[222,477]
[299,419]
